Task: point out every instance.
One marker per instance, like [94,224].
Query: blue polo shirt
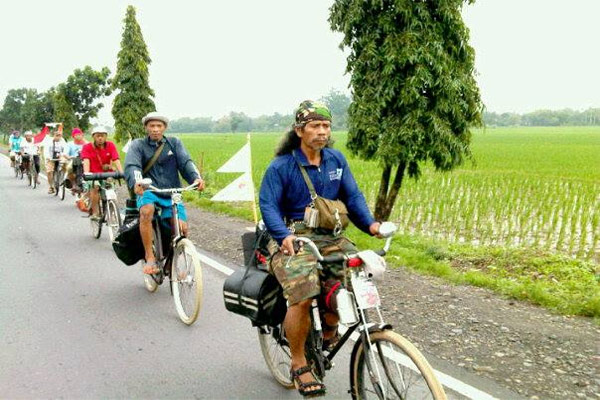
[283,192]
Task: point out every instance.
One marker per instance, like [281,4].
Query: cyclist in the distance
[99,156]
[31,150]
[71,155]
[163,158]
[53,146]
[15,142]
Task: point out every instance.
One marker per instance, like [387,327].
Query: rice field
[528,187]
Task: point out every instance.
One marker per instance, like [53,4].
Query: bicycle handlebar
[172,190]
[101,176]
[390,228]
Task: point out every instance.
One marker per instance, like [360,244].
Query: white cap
[28,133]
[99,129]
[155,116]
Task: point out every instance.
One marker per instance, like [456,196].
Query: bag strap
[98,156]
[311,188]
[147,167]
[154,158]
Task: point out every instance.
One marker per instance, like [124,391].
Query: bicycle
[176,257]
[107,206]
[58,178]
[29,166]
[383,364]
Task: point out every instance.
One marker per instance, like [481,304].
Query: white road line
[215,264]
[446,380]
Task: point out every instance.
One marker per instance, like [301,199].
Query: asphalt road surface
[77,323]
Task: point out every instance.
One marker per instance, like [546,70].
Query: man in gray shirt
[173,160]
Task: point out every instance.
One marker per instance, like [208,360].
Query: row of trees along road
[73,102]
[77,100]
[414,96]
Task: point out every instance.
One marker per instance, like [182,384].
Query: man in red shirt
[99,156]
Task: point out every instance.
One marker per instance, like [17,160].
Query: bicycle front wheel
[186,281]
[398,367]
[33,173]
[63,188]
[96,224]
[113,220]
[276,352]
[56,182]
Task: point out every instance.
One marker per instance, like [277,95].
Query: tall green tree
[63,110]
[412,79]
[83,88]
[134,99]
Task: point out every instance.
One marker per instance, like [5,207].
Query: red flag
[40,136]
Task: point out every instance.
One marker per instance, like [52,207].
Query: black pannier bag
[251,291]
[128,244]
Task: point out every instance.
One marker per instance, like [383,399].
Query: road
[76,323]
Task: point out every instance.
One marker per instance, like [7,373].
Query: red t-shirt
[99,156]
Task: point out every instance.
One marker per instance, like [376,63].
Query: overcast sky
[263,56]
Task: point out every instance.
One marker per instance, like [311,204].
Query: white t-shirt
[49,145]
[29,147]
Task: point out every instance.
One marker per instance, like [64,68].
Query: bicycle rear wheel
[96,225]
[113,219]
[276,352]
[186,281]
[398,366]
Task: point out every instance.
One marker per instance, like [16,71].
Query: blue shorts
[163,203]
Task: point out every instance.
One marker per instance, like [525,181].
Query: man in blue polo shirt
[173,159]
[284,196]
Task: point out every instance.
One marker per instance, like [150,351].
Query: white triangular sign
[240,162]
[126,147]
[242,189]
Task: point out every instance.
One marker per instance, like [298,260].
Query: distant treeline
[566,117]
[240,122]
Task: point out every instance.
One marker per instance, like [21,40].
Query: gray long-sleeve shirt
[173,159]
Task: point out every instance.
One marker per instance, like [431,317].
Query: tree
[338,104]
[63,110]
[13,105]
[82,90]
[37,109]
[240,122]
[414,93]
[131,79]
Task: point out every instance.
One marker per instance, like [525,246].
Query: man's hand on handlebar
[374,229]
[287,246]
[138,189]
[200,184]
